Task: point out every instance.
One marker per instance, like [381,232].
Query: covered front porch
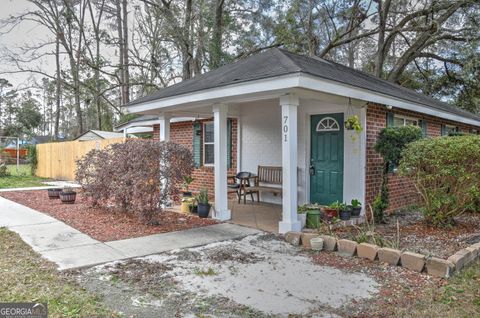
[300,132]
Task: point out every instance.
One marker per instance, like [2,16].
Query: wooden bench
[268,179]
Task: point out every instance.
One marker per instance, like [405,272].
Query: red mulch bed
[100,224]
[418,236]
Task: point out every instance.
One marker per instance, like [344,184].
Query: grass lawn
[459,297]
[26,277]
[20,179]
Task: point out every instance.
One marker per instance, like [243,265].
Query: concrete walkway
[70,248]
[48,185]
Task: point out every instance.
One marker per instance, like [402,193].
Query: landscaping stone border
[433,266]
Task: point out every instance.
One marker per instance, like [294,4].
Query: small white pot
[303,219]
[316,243]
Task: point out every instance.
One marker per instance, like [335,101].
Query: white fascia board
[136,124]
[236,92]
[336,88]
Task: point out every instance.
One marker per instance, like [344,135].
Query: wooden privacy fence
[57,160]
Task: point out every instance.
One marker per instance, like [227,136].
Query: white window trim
[206,143]
[405,118]
[451,128]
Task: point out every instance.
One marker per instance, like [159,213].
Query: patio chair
[240,184]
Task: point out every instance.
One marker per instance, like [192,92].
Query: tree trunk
[121,74]
[312,43]
[383,10]
[126,73]
[58,88]
[186,45]
[216,44]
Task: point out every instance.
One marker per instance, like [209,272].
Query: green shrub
[392,140]
[390,144]
[32,158]
[4,170]
[446,173]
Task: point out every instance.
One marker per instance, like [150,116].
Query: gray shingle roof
[277,62]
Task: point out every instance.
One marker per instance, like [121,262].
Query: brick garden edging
[433,266]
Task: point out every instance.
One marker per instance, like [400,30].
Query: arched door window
[328,124]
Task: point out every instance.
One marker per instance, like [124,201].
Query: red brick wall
[402,191]
[182,133]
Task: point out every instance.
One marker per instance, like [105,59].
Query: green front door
[326,160]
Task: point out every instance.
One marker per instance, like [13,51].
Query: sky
[26,32]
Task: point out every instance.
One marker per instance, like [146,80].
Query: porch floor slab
[262,216]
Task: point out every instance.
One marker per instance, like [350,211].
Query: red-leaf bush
[137,176]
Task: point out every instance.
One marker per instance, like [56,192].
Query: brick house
[281,109]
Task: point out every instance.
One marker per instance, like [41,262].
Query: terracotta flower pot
[330,213]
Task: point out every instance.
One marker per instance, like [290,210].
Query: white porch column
[125,132]
[220,154]
[289,104]
[164,120]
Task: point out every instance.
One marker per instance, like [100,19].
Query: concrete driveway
[258,276]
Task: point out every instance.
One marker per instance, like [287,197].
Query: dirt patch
[140,288]
[101,224]
[256,276]
[218,255]
[418,236]
[399,288]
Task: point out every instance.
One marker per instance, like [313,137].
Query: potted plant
[187,180]
[68,195]
[331,211]
[203,203]
[345,212]
[186,203]
[353,123]
[356,208]
[310,214]
[193,207]
[302,215]
[54,193]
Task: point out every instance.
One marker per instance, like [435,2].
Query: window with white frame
[399,121]
[208,144]
[450,129]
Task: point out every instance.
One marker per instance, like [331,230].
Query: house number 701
[285,127]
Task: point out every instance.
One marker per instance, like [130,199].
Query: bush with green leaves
[32,158]
[446,174]
[137,176]
[392,140]
[390,144]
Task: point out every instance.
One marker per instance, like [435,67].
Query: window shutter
[423,125]
[389,119]
[229,143]
[197,144]
[443,130]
